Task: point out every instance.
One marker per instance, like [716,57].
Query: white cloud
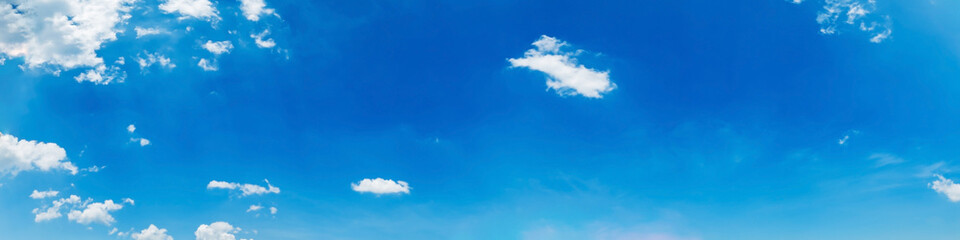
[884,159]
[218,48]
[843,140]
[853,12]
[102,75]
[95,213]
[53,212]
[93,168]
[146,31]
[261,42]
[565,75]
[273,210]
[946,187]
[144,142]
[380,186]
[207,65]
[216,231]
[17,155]
[152,233]
[131,128]
[252,9]
[128,201]
[246,188]
[199,9]
[154,58]
[120,61]
[254,208]
[60,33]
[43,194]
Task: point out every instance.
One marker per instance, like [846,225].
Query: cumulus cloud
[837,13]
[17,155]
[207,65]
[131,128]
[96,212]
[273,210]
[565,75]
[43,194]
[149,59]
[253,9]
[946,187]
[246,189]
[254,208]
[152,233]
[60,33]
[53,212]
[141,32]
[380,186]
[261,40]
[199,9]
[218,48]
[102,75]
[216,231]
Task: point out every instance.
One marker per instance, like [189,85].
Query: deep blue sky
[724,124]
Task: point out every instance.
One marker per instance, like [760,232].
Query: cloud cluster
[253,9]
[199,9]
[854,13]
[216,231]
[43,194]
[82,212]
[17,155]
[380,186]
[946,187]
[565,75]
[246,189]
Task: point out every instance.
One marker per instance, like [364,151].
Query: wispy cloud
[565,75]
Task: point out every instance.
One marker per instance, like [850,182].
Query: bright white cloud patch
[253,9]
[102,75]
[261,40]
[152,233]
[207,65]
[254,208]
[216,231]
[565,74]
[273,210]
[43,194]
[141,32]
[131,128]
[946,187]
[199,9]
[149,59]
[855,13]
[380,186]
[246,189]
[53,211]
[60,33]
[18,155]
[95,213]
[218,48]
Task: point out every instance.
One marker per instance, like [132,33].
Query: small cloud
[207,65]
[381,186]
[199,9]
[218,48]
[565,75]
[254,208]
[142,141]
[43,194]
[93,168]
[216,231]
[253,9]
[150,233]
[946,187]
[95,213]
[154,58]
[141,32]
[273,210]
[246,189]
[263,42]
[17,155]
[131,128]
[884,159]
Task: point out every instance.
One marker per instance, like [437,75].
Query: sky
[527,120]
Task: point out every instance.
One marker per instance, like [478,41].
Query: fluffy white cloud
[206,65]
[131,128]
[855,13]
[154,58]
[246,188]
[53,211]
[102,75]
[218,48]
[566,76]
[380,186]
[95,213]
[946,187]
[216,231]
[273,210]
[254,208]
[18,155]
[261,40]
[60,33]
[43,194]
[253,9]
[146,31]
[199,9]
[152,233]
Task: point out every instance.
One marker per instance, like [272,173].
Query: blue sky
[640,120]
